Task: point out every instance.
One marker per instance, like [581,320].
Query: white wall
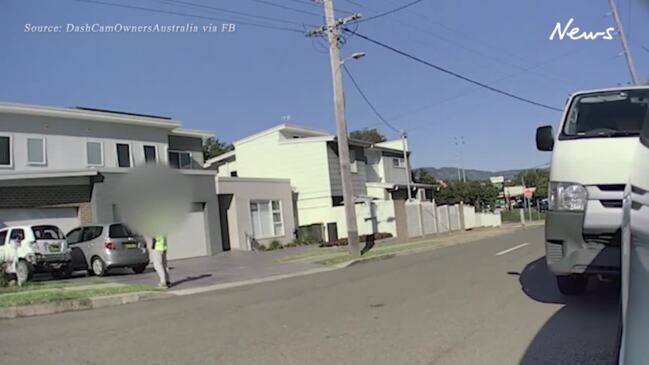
[394,175]
[380,220]
[469,217]
[227,168]
[488,219]
[65,141]
[305,163]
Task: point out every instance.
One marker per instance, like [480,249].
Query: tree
[423,177]
[536,178]
[368,135]
[212,147]
[477,193]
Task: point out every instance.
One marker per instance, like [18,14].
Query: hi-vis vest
[161,243]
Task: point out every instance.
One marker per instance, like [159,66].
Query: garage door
[190,240]
[64,218]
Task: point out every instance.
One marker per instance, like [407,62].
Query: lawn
[39,296]
[44,285]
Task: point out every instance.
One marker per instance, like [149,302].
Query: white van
[591,162]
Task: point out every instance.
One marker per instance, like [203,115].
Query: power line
[160,11]
[391,11]
[454,74]
[318,4]
[287,8]
[195,5]
[369,103]
[355,3]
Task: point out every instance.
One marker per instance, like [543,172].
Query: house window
[398,162]
[36,151]
[180,159]
[94,154]
[123,155]
[266,218]
[150,155]
[5,151]
[353,164]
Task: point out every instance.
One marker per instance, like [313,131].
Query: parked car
[543,205]
[590,167]
[37,248]
[100,247]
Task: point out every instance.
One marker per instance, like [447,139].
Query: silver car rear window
[119,231]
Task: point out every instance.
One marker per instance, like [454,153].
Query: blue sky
[238,83]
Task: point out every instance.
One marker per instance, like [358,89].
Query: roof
[219,158]
[102,115]
[88,114]
[393,145]
[49,174]
[191,133]
[284,127]
[617,88]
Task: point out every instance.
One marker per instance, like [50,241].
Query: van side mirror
[544,138]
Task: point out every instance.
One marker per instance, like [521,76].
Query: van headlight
[567,196]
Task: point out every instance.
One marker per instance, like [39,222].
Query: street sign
[497,179]
[529,193]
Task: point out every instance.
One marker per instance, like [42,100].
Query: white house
[309,159]
[63,166]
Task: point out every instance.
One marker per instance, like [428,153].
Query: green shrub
[260,248]
[275,245]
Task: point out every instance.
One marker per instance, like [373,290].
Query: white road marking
[512,249]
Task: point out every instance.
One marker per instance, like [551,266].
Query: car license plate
[130,245]
[56,248]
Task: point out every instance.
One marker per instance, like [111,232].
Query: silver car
[100,247]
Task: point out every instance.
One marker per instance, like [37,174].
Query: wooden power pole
[333,36]
[625,44]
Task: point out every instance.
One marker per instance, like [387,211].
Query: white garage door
[190,239]
[64,218]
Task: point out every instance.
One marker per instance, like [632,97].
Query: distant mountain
[450,173]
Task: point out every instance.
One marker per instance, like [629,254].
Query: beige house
[255,208]
[308,158]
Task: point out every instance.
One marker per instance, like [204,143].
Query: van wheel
[572,285]
[98,266]
[24,271]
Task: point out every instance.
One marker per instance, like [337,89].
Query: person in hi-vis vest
[159,256]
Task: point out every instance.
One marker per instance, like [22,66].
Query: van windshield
[607,114]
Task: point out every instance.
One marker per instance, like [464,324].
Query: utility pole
[333,36]
[625,45]
[404,143]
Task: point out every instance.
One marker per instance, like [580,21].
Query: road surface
[486,302]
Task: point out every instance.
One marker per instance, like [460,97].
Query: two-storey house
[63,166]
[309,159]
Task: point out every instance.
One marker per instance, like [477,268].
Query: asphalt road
[465,304]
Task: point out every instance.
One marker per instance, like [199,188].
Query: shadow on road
[583,331]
